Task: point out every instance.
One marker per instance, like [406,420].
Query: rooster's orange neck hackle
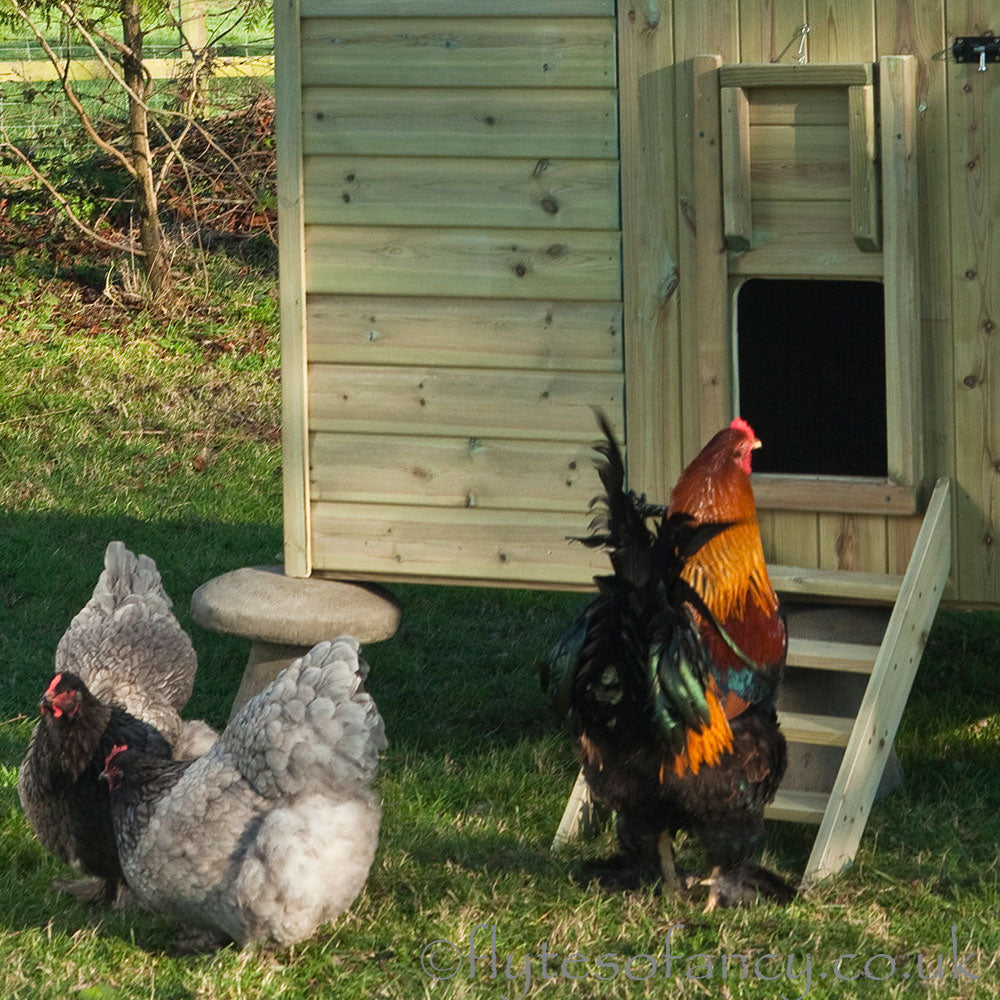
[728,572]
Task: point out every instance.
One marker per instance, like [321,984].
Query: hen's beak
[757,443]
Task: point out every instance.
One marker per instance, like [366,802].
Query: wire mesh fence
[34,108]
[211,134]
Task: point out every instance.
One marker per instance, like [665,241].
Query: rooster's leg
[665,853]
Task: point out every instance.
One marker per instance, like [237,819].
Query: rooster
[124,669]
[670,675]
[272,832]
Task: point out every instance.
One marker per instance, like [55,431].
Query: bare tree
[121,56]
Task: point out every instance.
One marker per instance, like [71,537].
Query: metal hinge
[977,49]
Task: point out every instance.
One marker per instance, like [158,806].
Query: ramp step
[822,730]
[879,588]
[797,807]
[823,654]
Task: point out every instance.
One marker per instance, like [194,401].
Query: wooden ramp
[838,755]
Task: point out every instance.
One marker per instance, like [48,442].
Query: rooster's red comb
[739,424]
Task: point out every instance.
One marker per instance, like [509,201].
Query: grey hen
[128,647]
[272,832]
[124,669]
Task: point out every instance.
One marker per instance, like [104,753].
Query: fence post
[194,31]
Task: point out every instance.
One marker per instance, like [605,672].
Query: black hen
[59,785]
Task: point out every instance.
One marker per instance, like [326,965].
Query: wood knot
[970,381]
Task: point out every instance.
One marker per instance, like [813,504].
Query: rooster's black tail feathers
[635,652]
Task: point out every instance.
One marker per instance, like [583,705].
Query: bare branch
[74,101]
[113,70]
[5,143]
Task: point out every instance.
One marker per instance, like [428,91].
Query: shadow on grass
[51,562]
[477,771]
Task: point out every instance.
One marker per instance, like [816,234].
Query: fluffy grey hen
[124,669]
[272,832]
[130,650]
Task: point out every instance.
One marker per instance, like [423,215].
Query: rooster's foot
[744,885]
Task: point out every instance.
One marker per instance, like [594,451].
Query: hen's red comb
[115,750]
[53,684]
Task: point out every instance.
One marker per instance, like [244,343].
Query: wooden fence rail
[40,70]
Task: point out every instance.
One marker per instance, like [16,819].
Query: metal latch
[977,48]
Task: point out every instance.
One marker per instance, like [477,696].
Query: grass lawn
[163,431]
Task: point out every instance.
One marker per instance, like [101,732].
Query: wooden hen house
[495,215]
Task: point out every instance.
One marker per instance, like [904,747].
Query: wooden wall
[959,184]
[460,284]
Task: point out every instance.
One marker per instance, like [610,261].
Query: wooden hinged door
[809,172]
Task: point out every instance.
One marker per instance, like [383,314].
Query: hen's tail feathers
[126,643]
[619,525]
[128,581]
[313,727]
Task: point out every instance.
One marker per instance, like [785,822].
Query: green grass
[162,430]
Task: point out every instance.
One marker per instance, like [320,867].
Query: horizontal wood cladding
[517,547]
[468,333]
[432,121]
[458,52]
[463,290]
[495,263]
[448,401]
[457,8]
[442,191]
[455,472]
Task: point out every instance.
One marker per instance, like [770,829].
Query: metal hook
[801,32]
[802,43]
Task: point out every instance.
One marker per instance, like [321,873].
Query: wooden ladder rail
[885,697]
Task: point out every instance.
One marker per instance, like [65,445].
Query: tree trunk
[150,234]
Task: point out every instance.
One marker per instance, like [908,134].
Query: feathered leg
[88,890]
